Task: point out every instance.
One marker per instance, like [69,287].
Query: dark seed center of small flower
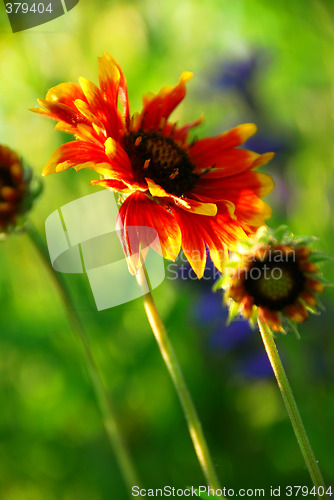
[5,176]
[159,158]
[274,283]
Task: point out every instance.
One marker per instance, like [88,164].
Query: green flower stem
[111,426]
[170,359]
[291,406]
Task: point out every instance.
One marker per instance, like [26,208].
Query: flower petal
[140,211]
[105,112]
[234,187]
[209,149]
[65,93]
[113,83]
[219,233]
[192,242]
[74,153]
[198,207]
[61,112]
[157,108]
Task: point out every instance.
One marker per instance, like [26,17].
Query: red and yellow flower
[275,278]
[195,194]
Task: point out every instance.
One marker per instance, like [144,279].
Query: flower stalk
[291,406]
[173,367]
[108,414]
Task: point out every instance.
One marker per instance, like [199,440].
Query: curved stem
[111,426]
[291,406]
[170,359]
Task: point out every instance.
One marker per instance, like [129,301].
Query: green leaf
[312,310]
[282,233]
[322,279]
[219,283]
[291,325]
[320,304]
[232,264]
[263,234]
[316,257]
[233,311]
[305,240]
[253,318]
[244,246]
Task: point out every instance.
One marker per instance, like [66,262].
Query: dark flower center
[159,158]
[274,282]
[6,178]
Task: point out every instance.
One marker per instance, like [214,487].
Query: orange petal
[315,285]
[225,141]
[74,153]
[297,312]
[271,318]
[65,93]
[113,83]
[140,211]
[192,242]
[157,108]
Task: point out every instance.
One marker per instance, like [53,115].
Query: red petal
[180,134]
[65,93]
[105,112]
[228,163]
[214,146]
[218,233]
[140,211]
[192,242]
[75,153]
[113,83]
[233,187]
[61,112]
[157,108]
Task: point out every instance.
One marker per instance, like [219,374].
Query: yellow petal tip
[247,130]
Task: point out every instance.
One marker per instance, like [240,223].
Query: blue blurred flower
[236,339]
[236,74]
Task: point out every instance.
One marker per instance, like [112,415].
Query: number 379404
[24,8]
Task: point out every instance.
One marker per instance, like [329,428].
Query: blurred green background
[267,62]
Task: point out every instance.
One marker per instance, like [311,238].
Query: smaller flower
[17,192]
[274,276]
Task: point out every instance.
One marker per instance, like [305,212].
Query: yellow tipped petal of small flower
[9,193]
